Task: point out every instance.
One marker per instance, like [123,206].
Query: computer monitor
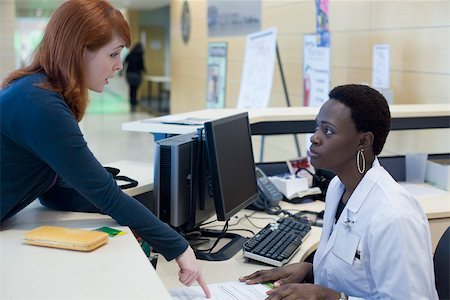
[231,162]
[206,172]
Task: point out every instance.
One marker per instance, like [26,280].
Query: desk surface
[117,270]
[142,172]
[232,269]
[162,79]
[436,207]
[120,269]
[402,117]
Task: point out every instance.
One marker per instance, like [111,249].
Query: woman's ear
[366,141]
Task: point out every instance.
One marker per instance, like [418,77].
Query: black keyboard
[276,243]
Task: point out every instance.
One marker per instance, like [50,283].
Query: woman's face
[335,141]
[101,64]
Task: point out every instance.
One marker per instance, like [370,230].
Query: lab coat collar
[351,209]
[364,187]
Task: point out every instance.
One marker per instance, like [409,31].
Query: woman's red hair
[75,26]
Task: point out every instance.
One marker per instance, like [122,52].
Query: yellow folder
[66,238]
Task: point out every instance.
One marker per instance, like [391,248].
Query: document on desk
[176,120]
[231,290]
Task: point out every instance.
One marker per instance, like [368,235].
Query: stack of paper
[222,291]
[290,186]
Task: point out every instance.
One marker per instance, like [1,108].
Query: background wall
[418,33]
[7,23]
[151,27]
[160,19]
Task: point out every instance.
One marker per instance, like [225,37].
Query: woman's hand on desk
[292,273]
[287,281]
[190,270]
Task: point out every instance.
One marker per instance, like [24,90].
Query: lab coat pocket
[346,244]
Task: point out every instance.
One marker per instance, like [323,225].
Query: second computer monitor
[231,164]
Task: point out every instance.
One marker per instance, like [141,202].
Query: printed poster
[316,70]
[217,75]
[322,22]
[257,74]
[322,15]
[380,66]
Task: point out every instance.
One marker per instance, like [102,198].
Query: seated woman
[375,241]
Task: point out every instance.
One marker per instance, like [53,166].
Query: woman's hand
[190,270]
[293,273]
[302,291]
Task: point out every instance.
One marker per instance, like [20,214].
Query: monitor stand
[228,250]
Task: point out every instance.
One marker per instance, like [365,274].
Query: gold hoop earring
[360,161]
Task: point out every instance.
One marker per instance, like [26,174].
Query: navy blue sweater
[39,139]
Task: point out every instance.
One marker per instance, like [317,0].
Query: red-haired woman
[43,152]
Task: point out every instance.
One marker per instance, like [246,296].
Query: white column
[8,25]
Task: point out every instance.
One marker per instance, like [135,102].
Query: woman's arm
[47,128]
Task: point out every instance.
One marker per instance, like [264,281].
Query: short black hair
[369,111]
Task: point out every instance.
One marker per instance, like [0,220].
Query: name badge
[345,244]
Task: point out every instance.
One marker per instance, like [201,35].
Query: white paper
[257,74]
[345,244]
[289,187]
[380,66]
[316,71]
[222,291]
[173,119]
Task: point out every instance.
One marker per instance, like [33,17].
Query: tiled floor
[110,143]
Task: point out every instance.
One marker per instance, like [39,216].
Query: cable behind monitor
[227,251]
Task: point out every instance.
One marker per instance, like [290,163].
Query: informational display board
[316,70]
[322,15]
[380,66]
[217,75]
[257,74]
[232,18]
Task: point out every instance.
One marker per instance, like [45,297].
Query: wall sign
[217,75]
[231,18]
[185,22]
[257,74]
[316,70]
[380,66]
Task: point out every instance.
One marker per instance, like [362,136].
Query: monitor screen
[202,173]
[231,164]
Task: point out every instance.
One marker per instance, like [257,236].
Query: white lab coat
[387,228]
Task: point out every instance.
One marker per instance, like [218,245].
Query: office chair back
[442,266]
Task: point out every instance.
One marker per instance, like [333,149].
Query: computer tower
[181,193]
[172,178]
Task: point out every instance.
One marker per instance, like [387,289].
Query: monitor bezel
[210,146]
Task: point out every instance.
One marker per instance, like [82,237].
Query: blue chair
[442,266]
